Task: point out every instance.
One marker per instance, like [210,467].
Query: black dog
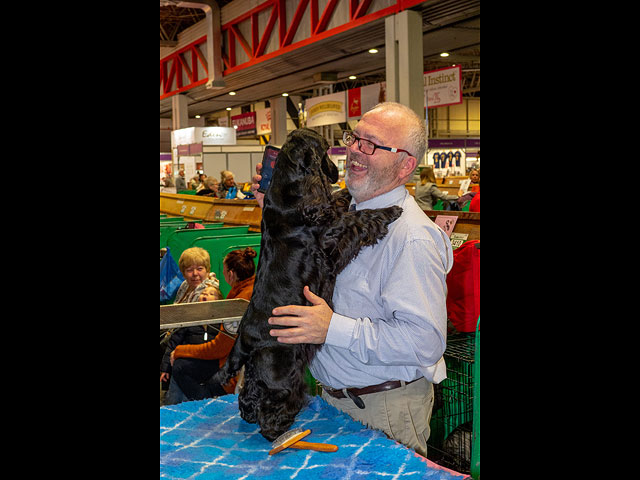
[308,237]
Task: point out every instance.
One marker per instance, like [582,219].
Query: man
[181,184]
[383,344]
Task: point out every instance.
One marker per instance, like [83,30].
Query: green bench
[180,240]
[166,229]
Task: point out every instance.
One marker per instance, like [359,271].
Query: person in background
[210,188]
[474,186]
[427,193]
[195,265]
[210,294]
[382,342]
[181,184]
[194,365]
[201,178]
[194,182]
[227,183]
[239,270]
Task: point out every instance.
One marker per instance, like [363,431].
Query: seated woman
[210,188]
[227,187]
[195,265]
[426,191]
[194,365]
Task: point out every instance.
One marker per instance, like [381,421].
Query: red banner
[245,124]
[354,102]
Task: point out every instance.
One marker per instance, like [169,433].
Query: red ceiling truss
[187,67]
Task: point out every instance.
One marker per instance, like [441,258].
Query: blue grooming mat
[207,439]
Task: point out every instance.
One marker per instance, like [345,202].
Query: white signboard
[263,121]
[184,136]
[216,135]
[443,86]
[204,135]
[326,110]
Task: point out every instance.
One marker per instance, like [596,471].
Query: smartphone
[268,164]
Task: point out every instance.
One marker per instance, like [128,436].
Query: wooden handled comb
[291,439]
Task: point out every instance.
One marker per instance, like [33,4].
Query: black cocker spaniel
[308,237]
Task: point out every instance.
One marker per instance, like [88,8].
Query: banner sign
[363,99]
[326,110]
[443,86]
[245,124]
[204,135]
[215,135]
[263,121]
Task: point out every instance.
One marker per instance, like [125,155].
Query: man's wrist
[340,331]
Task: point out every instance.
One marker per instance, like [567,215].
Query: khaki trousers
[403,413]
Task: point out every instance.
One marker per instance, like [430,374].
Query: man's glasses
[367,147]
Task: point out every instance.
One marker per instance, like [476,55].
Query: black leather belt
[354,393]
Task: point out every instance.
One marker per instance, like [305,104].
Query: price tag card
[446,223]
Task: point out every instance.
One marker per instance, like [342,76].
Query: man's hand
[309,324]
[256,184]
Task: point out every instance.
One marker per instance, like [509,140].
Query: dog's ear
[329,168]
[320,147]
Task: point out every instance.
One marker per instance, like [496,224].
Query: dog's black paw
[393,213]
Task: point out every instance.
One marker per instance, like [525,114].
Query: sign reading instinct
[443,86]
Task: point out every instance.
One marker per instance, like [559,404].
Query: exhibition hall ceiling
[451,26]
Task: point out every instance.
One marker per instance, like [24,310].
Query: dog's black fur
[308,237]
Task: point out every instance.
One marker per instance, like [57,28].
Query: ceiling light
[352,77]
[444,54]
[197,116]
[285,94]
[228,109]
[232,93]
[373,50]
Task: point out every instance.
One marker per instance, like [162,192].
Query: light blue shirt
[390,315]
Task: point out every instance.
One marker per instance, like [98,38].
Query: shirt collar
[393,197]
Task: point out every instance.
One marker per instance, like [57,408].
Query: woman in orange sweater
[194,365]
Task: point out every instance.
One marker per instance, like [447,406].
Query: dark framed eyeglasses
[367,147]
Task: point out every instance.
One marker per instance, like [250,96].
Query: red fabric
[463,287]
[474,206]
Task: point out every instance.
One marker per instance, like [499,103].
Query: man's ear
[409,165]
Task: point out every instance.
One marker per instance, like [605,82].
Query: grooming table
[207,439]
[202,313]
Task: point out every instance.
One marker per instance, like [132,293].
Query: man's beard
[375,180]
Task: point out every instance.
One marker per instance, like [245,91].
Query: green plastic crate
[450,442]
[180,240]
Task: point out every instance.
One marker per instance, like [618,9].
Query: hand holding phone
[268,164]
